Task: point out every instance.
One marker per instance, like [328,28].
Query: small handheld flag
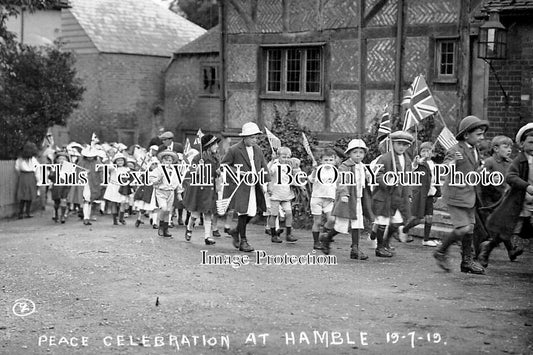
[187,147]
[199,135]
[446,138]
[307,147]
[409,120]
[274,141]
[422,104]
[384,126]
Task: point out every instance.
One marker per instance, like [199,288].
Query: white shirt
[26,165]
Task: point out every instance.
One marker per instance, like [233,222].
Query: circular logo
[23,307]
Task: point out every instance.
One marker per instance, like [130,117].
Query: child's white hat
[356,143]
[523,130]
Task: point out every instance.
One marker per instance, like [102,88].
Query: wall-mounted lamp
[492,42]
[492,45]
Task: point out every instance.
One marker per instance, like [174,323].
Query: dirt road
[121,290]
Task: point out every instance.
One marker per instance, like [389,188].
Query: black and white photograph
[266,177]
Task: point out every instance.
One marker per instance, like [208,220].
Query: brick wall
[186,109]
[516,76]
[122,94]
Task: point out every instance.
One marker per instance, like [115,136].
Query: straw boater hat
[166,135]
[208,140]
[401,136]
[119,156]
[469,123]
[168,153]
[89,152]
[250,129]
[356,143]
[522,132]
[61,153]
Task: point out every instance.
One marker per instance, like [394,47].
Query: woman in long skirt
[26,166]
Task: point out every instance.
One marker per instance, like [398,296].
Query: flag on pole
[406,101]
[422,104]
[384,126]
[307,147]
[409,120]
[187,147]
[446,138]
[274,141]
[94,140]
[199,135]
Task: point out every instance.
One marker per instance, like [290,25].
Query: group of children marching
[504,211]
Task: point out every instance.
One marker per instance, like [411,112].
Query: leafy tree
[38,90]
[289,131]
[10,8]
[204,13]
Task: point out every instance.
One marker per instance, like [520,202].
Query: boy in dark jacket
[514,215]
[463,198]
[390,204]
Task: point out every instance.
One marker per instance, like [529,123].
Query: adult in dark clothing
[248,199]
[168,143]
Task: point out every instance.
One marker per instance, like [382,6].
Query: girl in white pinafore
[118,202]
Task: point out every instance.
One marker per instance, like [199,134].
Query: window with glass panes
[446,58]
[209,78]
[296,70]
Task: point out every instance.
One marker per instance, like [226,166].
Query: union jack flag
[384,126]
[409,120]
[421,104]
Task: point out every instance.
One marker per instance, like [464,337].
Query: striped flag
[274,141]
[199,135]
[422,103]
[384,126]
[446,138]
[307,147]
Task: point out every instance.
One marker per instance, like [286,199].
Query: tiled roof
[134,26]
[206,43]
[506,5]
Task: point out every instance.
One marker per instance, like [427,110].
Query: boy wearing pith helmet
[390,201]
[462,199]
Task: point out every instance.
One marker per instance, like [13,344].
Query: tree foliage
[38,90]
[289,131]
[204,13]
[10,8]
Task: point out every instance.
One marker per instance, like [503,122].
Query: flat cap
[401,136]
[166,135]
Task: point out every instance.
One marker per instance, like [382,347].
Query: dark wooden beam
[373,11]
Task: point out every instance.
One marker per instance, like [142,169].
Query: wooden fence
[8,190]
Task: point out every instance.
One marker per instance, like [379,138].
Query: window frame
[216,65]
[284,93]
[446,78]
